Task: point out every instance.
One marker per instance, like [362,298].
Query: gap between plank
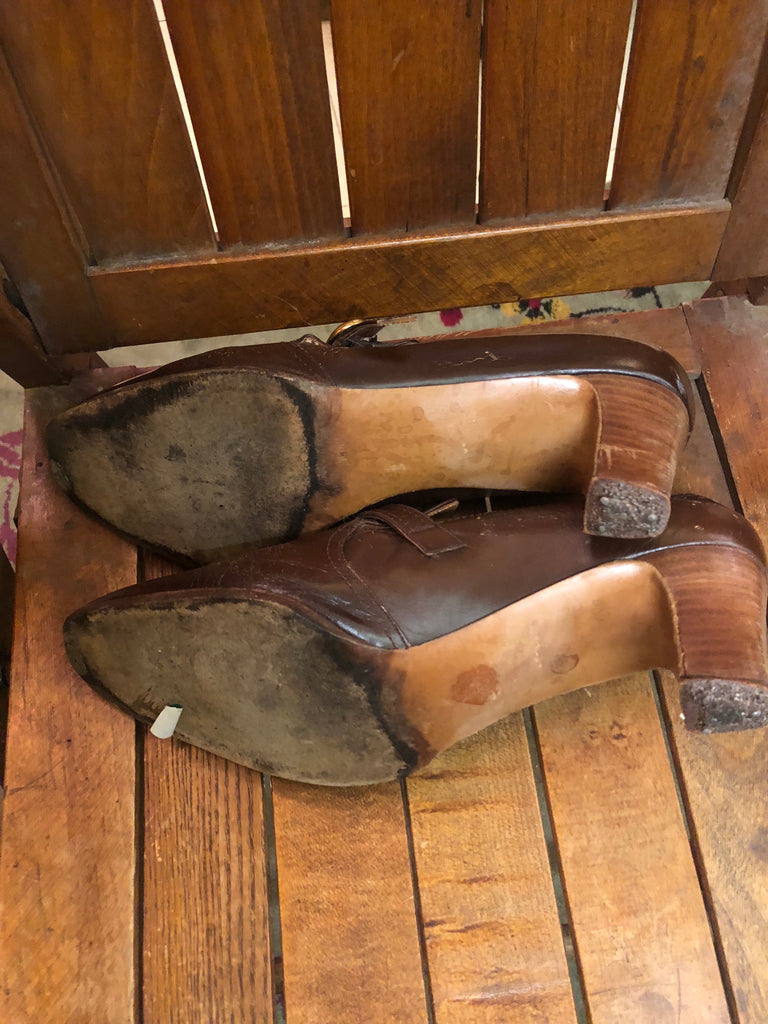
[672,750]
[138,966]
[619,103]
[479,111]
[575,975]
[665,720]
[275,931]
[570,947]
[338,138]
[714,427]
[139,843]
[179,86]
[717,437]
[698,861]
[426,977]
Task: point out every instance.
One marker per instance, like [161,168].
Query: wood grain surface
[699,470]
[493,936]
[349,924]
[731,336]
[690,75]
[551,75]
[37,247]
[408,80]
[641,930]
[254,77]
[22,356]
[725,783]
[205,938]
[97,83]
[321,284]
[67,859]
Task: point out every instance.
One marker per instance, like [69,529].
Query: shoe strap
[416,527]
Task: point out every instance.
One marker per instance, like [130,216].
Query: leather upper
[450,360]
[392,577]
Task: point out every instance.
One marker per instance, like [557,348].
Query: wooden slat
[36,246]
[320,284]
[689,83]
[254,77]
[744,252]
[206,950]
[22,356]
[493,937]
[664,328]
[699,470]
[641,930]
[408,80]
[551,74]
[350,939]
[725,776]
[67,859]
[731,335]
[96,80]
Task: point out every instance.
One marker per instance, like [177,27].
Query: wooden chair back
[107,238]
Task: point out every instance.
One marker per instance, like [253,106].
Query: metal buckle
[360,333]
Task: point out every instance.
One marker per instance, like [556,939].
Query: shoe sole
[261,684]
[201,465]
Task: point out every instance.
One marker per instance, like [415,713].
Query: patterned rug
[441,321]
[10,464]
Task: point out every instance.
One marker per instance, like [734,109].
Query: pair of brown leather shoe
[351,654]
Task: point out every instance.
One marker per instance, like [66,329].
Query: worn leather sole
[200,464]
[275,682]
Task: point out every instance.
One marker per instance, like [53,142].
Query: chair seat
[587,853]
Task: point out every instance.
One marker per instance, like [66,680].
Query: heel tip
[615,508]
[723,705]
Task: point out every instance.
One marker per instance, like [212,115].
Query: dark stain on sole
[198,467]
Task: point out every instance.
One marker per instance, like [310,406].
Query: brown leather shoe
[354,654]
[260,444]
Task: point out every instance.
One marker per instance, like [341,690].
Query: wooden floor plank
[67,862]
[206,948]
[616,841]
[731,335]
[725,776]
[641,930]
[350,937]
[206,926]
[493,936]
